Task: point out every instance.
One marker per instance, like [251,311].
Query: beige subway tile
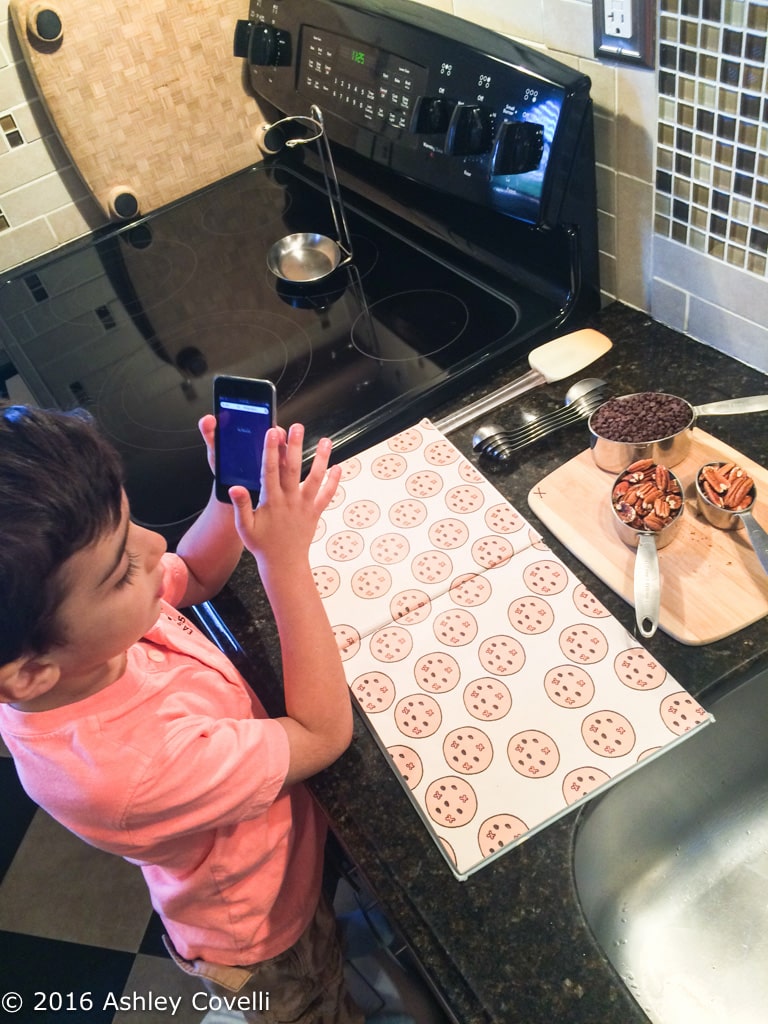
[520,20]
[17,245]
[568,26]
[634,237]
[76,219]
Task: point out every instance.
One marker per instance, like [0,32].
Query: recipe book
[501,691]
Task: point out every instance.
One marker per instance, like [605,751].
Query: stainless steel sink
[671,868]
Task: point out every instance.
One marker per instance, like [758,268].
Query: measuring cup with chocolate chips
[653,425]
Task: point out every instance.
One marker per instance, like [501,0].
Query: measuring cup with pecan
[647,504]
[725,496]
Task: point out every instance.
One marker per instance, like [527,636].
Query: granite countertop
[509,944]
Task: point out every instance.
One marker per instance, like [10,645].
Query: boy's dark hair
[60,490]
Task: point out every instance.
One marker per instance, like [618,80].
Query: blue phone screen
[242,424]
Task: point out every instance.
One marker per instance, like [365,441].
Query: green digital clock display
[358,57]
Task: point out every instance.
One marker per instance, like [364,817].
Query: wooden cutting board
[146,97]
[712,584]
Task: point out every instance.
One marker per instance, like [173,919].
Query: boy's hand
[207,427]
[283,524]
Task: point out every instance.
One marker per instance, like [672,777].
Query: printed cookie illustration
[409,607]
[408,513]
[503,518]
[373,691]
[371,581]
[351,468]
[464,498]
[546,577]
[451,801]
[418,715]
[581,781]
[501,655]
[449,851]
[327,580]
[470,590]
[338,499]
[437,673]
[448,534]
[392,643]
[441,453]
[491,551]
[390,548]
[530,615]
[608,733]
[469,473]
[569,687]
[487,699]
[499,831]
[406,441]
[533,754]
[537,541]
[455,628]
[344,546]
[583,643]
[359,515]
[431,567]
[680,713]
[408,763]
[388,467]
[347,640]
[426,483]
[587,603]
[638,669]
[467,750]
[320,530]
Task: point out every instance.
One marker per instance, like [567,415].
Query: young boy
[138,735]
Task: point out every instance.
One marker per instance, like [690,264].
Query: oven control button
[242,38]
[469,130]
[518,147]
[431,115]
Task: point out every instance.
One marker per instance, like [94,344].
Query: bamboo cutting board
[146,97]
[712,584]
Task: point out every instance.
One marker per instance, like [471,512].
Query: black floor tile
[60,982]
[16,812]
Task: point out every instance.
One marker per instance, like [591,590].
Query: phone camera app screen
[242,425]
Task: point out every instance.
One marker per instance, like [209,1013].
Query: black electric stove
[451,272]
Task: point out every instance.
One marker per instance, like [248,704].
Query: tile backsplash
[682,154]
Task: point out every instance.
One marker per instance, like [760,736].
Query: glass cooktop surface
[135,324]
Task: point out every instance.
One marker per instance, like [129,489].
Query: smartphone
[245,409]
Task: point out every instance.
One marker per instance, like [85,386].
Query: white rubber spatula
[552,361]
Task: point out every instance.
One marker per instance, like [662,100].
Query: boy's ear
[27,677]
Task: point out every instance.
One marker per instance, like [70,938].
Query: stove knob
[242,38]
[431,115]
[518,147]
[269,47]
[469,130]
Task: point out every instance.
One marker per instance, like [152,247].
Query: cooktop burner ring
[154,397]
[417,314]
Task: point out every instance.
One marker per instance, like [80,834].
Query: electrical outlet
[624,30]
[618,18]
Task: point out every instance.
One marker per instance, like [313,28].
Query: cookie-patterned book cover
[501,690]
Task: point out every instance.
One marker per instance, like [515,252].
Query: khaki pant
[303,985]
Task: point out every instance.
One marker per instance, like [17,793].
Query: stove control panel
[430,96]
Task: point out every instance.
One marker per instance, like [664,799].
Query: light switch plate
[624,30]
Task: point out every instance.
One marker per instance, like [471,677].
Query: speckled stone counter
[510,945]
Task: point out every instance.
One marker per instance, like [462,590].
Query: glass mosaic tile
[713,107]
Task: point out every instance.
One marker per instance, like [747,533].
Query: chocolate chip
[647,416]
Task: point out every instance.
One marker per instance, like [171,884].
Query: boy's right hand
[282,526]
